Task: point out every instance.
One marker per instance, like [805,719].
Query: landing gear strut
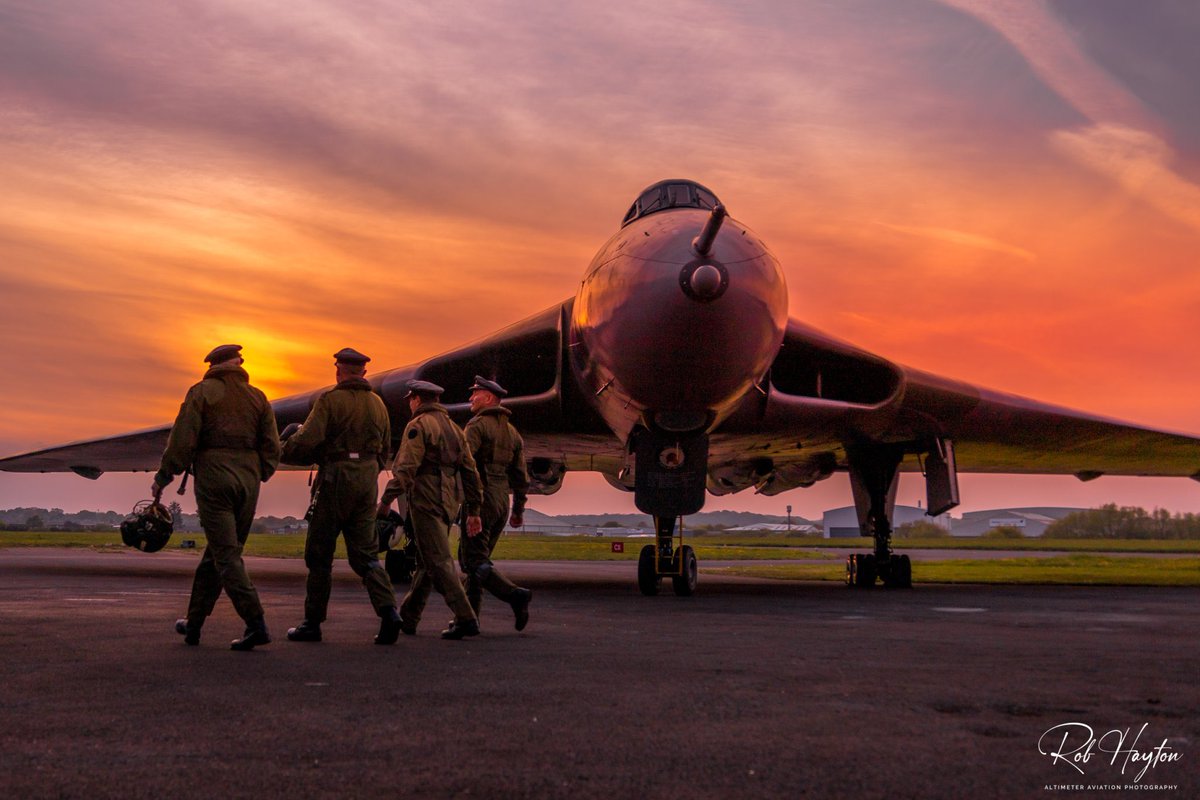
[664,559]
[874,476]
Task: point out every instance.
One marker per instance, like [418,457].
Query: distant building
[843,522]
[840,523]
[560,530]
[623,531]
[780,527]
[1030,521]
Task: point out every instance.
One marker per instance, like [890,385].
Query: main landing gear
[663,559]
[862,569]
[874,476]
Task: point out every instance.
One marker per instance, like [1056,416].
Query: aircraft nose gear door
[669,473]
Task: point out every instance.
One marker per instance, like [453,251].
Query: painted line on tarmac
[151,592]
[959,609]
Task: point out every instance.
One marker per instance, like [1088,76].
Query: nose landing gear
[663,559]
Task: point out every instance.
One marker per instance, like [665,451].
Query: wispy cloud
[1137,161]
[961,238]
[1055,55]
[1122,143]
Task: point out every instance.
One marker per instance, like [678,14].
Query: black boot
[305,632]
[256,634]
[190,631]
[389,626]
[520,605]
[461,630]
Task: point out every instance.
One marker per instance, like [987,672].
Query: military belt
[426,469]
[355,455]
[228,443]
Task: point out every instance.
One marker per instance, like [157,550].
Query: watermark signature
[1076,745]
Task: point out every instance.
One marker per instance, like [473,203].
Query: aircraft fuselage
[671,339]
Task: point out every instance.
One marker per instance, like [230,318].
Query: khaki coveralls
[225,433]
[432,461]
[499,456]
[347,433]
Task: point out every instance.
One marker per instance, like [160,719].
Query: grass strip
[541,547]
[518,547]
[1070,570]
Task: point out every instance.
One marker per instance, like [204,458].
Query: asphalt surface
[749,689]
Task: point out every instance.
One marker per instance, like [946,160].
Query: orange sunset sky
[1003,192]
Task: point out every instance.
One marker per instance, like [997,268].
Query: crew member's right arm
[404,469]
[304,446]
[518,481]
[181,446]
[472,492]
[474,434]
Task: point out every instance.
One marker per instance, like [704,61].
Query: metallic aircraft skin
[651,351]
[653,345]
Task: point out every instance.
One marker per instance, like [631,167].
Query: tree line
[1125,522]
[55,519]
[1106,522]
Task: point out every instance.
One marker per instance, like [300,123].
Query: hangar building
[842,522]
[1030,521]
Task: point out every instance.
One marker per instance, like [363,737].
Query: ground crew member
[225,435]
[432,460]
[348,434]
[500,458]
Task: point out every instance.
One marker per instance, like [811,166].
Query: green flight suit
[347,433]
[500,458]
[225,433]
[431,464]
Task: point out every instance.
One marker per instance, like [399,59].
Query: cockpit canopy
[679,193]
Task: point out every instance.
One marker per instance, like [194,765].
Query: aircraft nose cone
[705,283]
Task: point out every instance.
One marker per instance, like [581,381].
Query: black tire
[399,566]
[867,570]
[860,571]
[684,584]
[901,573]
[649,581]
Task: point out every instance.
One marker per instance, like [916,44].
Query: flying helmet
[148,527]
[387,528]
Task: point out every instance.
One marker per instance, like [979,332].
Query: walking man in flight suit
[347,434]
[432,460]
[500,459]
[225,435]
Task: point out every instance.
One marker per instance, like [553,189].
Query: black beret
[223,352]
[491,386]
[348,355]
[423,388]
